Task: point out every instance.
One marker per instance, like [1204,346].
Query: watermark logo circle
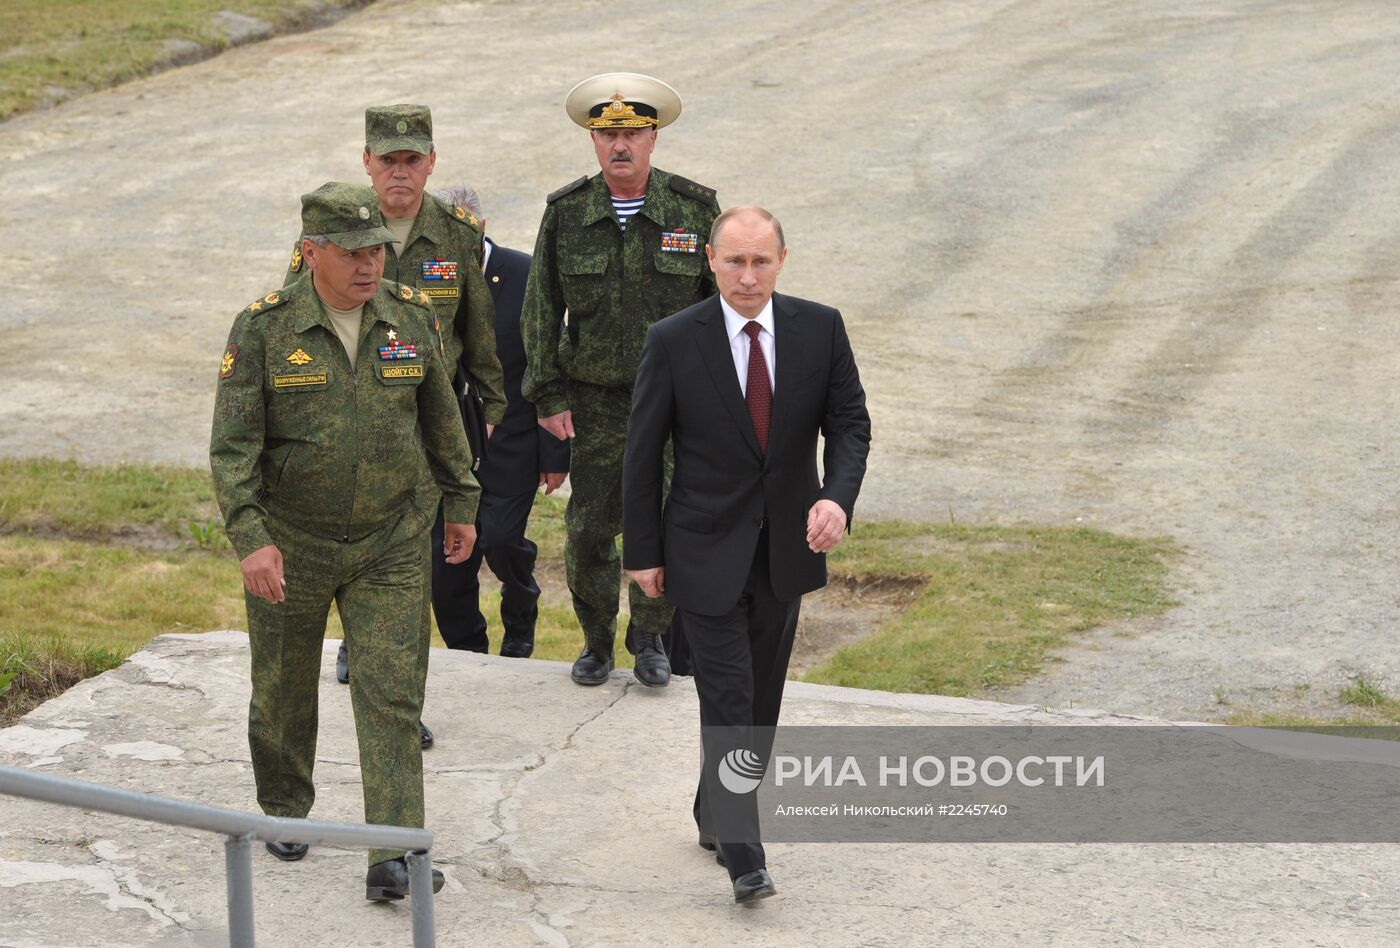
[740,771]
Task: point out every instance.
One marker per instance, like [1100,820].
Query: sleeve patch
[228,362]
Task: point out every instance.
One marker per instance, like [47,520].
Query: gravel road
[1107,264]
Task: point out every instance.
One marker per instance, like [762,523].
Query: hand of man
[552,481]
[560,425]
[652,581]
[458,539]
[262,574]
[826,524]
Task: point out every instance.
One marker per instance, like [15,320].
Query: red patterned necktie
[758,393]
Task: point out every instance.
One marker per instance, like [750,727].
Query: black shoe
[388,881]
[288,852]
[708,844]
[425,736]
[591,668]
[517,649]
[752,886]
[342,665]
[651,666]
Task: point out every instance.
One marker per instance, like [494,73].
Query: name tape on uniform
[299,380]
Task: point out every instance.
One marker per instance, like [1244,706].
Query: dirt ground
[1124,265]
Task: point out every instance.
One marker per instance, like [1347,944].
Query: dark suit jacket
[687,390]
[519,449]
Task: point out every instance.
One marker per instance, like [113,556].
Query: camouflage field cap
[398,128]
[345,214]
[622,100]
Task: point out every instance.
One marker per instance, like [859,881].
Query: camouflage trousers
[594,520]
[380,587]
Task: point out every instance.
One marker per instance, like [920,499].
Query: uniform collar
[599,204]
[307,310]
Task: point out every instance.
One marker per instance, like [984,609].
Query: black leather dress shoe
[342,665]
[752,886]
[425,736]
[591,668]
[651,665]
[288,852]
[517,649]
[388,881]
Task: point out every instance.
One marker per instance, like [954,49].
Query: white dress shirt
[739,342]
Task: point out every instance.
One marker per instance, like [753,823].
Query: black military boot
[651,666]
[342,665]
[592,667]
[388,881]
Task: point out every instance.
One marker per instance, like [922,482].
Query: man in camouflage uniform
[334,411]
[437,248]
[616,252]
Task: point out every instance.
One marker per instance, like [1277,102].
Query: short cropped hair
[733,212]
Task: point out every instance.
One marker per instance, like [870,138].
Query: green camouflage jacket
[442,257]
[613,283]
[335,453]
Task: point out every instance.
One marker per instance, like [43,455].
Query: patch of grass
[995,601]
[34,670]
[992,601]
[103,502]
[53,49]
[114,596]
[1364,694]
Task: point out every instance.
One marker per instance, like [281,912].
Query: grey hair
[734,212]
[320,240]
[461,195]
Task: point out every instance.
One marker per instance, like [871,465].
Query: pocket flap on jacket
[688,518]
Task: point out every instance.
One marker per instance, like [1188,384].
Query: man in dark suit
[741,384]
[521,457]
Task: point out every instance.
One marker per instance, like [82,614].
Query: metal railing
[241,829]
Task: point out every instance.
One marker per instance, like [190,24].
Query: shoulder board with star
[696,192]
[411,294]
[271,301]
[463,216]
[569,188]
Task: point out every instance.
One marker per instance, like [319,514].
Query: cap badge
[402,127]
[364,213]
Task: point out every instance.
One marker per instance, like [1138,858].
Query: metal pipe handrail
[241,829]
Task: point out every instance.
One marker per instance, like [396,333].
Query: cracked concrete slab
[562,817]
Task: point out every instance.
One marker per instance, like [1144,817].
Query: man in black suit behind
[520,458]
[742,383]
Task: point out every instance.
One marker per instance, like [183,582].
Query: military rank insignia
[229,360]
[406,292]
[680,242]
[299,357]
[439,269]
[398,349]
[464,215]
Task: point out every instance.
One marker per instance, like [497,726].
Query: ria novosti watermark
[1054,784]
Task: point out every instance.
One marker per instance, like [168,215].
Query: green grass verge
[53,49]
[994,600]
[108,556]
